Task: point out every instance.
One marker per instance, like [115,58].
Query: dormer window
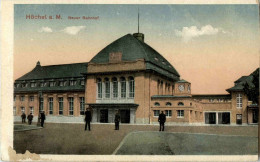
[156,59]
[33,84]
[62,83]
[16,85]
[52,84]
[24,85]
[164,63]
[73,82]
[42,84]
[82,82]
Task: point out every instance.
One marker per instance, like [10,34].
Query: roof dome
[133,49]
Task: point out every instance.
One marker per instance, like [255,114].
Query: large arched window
[99,87]
[123,87]
[107,88]
[131,87]
[115,87]
[180,104]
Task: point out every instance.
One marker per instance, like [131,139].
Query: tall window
[71,105]
[115,88]
[156,113]
[168,113]
[14,111]
[239,100]
[82,102]
[22,98]
[107,88]
[51,105]
[31,110]
[41,104]
[123,87]
[131,87]
[60,105]
[22,109]
[180,113]
[99,86]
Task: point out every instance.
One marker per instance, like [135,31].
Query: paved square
[103,139]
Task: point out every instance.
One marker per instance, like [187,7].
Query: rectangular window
[210,118]
[22,110]
[71,105]
[115,89]
[211,100]
[223,118]
[107,83]
[51,105]
[52,84]
[22,98]
[131,88]
[42,84]
[82,103]
[31,110]
[61,83]
[239,119]
[73,82]
[60,105]
[100,89]
[82,82]
[239,100]
[168,113]
[156,113]
[123,89]
[180,113]
[14,111]
[24,85]
[41,104]
[31,98]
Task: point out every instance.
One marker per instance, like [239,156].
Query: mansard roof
[133,49]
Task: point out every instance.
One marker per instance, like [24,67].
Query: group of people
[30,118]
[88,118]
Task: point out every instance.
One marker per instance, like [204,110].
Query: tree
[253,91]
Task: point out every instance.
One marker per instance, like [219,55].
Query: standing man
[161,120]
[23,116]
[88,118]
[117,120]
[30,118]
[42,118]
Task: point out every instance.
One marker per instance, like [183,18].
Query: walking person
[42,118]
[88,118]
[162,120]
[117,120]
[23,116]
[30,118]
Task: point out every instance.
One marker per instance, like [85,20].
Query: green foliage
[253,91]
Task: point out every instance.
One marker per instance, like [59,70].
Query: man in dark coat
[42,118]
[30,118]
[23,116]
[117,120]
[88,118]
[161,120]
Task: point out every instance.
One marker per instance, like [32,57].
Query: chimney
[38,63]
[139,36]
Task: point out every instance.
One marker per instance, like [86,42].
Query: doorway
[104,116]
[255,116]
[125,116]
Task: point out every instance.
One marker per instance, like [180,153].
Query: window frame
[168,113]
[180,114]
[131,87]
[50,105]
[155,114]
[82,105]
[71,106]
[239,101]
[61,105]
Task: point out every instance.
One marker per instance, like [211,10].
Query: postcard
[130,81]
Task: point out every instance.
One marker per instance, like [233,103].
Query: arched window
[131,87]
[123,87]
[107,88]
[115,87]
[168,104]
[99,87]
[180,104]
[156,104]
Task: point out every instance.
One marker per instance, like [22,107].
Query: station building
[131,77]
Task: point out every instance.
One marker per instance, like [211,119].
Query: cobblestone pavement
[57,138]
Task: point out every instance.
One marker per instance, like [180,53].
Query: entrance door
[239,118]
[125,116]
[104,116]
[255,116]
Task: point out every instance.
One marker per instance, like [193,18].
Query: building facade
[131,77]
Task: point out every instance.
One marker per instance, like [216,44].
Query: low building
[131,77]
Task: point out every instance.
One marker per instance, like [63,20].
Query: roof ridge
[65,64]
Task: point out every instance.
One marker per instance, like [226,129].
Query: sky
[210,46]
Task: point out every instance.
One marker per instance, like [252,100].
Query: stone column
[35,105]
[94,115]
[111,115]
[127,88]
[55,105]
[76,105]
[132,116]
[26,104]
[65,105]
[45,104]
